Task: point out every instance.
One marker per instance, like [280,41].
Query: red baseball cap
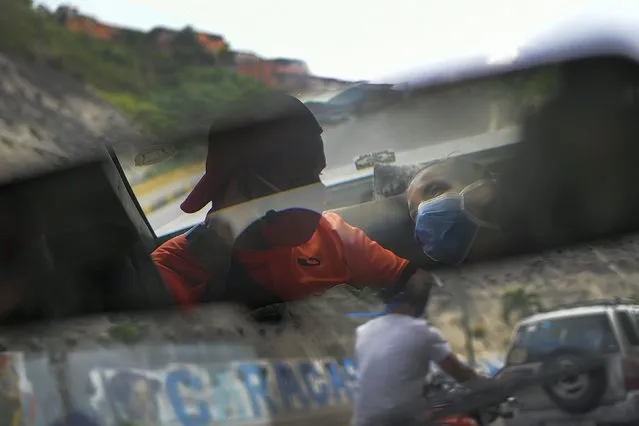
[252,131]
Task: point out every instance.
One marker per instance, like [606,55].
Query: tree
[519,301]
[457,287]
[524,91]
[165,91]
[18,23]
[226,56]
[535,87]
[188,50]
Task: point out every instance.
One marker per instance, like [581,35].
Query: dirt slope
[47,119]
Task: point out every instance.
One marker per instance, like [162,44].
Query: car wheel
[578,393]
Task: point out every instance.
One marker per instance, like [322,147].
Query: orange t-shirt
[337,253]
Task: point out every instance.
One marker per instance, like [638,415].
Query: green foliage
[632,295]
[166,92]
[18,26]
[531,88]
[521,302]
[126,333]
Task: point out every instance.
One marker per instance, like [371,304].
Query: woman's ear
[412,214]
[412,203]
[480,195]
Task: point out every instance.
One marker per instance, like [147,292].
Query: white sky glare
[354,39]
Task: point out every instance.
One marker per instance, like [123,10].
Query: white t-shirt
[393,354]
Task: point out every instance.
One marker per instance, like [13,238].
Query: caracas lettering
[196,396]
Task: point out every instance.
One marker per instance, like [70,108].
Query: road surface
[167,190]
[416,123]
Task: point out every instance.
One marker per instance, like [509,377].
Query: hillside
[163,91]
[164,81]
[48,120]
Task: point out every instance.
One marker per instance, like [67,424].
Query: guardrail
[167,199]
[451,148]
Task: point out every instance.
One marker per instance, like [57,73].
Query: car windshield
[534,341]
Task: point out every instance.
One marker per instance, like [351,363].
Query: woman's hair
[465,170]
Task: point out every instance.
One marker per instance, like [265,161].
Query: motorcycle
[442,392]
[483,402]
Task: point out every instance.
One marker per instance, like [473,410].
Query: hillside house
[74,21]
[163,38]
[279,73]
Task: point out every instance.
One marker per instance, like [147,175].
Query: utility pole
[458,293]
[466,324]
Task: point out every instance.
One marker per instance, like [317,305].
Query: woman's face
[453,176]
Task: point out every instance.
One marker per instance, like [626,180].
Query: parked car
[364,98]
[328,114]
[369,160]
[608,394]
[442,391]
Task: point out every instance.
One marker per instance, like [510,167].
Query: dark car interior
[91,241]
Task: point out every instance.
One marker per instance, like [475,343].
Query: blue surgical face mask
[445,230]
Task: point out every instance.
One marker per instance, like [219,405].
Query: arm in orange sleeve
[185,278]
[371,264]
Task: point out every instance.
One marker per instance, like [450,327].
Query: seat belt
[242,289]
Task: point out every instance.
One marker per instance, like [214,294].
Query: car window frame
[633,317]
[129,189]
[517,332]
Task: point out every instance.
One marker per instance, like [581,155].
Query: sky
[354,39]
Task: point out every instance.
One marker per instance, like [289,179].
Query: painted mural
[189,395]
[180,394]
[17,402]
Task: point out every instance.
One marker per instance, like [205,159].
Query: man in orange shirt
[263,241]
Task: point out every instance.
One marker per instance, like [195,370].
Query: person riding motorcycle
[264,241]
[393,355]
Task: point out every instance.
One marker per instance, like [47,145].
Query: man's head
[261,145]
[135,395]
[410,299]
[453,205]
